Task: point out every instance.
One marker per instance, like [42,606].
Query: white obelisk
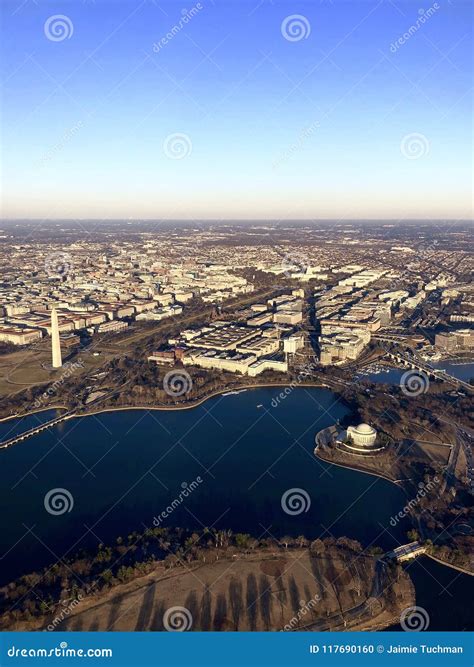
[55,344]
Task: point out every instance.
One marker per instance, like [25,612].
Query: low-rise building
[112,327]
[462,339]
[288,317]
[262,365]
[293,343]
[19,335]
[341,345]
[259,346]
[259,320]
[163,357]
[224,361]
[225,338]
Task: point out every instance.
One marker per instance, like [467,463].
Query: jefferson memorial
[363,435]
[360,440]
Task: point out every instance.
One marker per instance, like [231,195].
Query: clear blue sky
[344,122]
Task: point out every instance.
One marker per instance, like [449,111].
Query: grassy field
[291,590]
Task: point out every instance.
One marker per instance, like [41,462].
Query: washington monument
[55,344]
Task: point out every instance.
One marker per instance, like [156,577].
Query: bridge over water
[406,552]
[427,369]
[36,429]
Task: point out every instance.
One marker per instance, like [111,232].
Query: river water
[391,375]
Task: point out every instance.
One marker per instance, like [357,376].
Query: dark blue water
[461,371]
[445,594]
[124,468]
[12,427]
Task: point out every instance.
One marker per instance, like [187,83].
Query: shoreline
[97,603]
[33,412]
[200,401]
[451,565]
[398,483]
[187,406]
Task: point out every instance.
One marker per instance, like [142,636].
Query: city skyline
[350,110]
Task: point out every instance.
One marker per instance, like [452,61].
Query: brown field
[430,451]
[259,592]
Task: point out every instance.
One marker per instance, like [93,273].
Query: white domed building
[362,435]
[359,440]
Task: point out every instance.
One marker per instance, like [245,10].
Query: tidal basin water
[122,469]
